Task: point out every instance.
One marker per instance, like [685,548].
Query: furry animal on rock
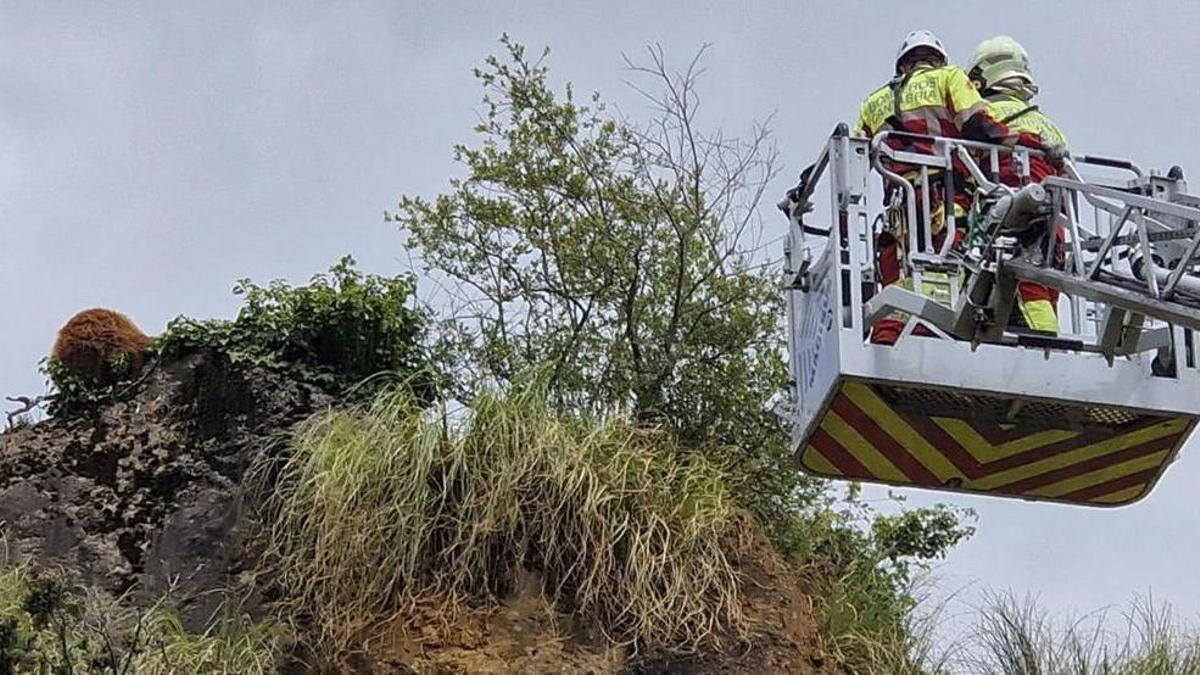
[93,338]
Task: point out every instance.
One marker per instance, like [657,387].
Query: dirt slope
[525,635]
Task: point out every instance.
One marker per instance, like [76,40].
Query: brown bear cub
[95,337]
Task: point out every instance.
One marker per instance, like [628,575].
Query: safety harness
[897,85]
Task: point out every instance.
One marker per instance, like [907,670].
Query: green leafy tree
[625,259]
[622,258]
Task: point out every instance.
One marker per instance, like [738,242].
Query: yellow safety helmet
[998,59]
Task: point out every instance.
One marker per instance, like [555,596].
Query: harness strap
[998,96]
[897,86]
[1018,114]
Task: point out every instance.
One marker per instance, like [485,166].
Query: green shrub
[862,571]
[73,392]
[339,329]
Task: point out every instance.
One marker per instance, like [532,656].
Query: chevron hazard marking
[863,437]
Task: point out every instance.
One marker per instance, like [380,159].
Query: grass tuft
[382,507]
[233,645]
[1015,636]
[50,622]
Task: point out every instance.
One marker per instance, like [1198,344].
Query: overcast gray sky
[151,155]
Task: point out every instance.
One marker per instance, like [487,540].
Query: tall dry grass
[1015,636]
[1008,635]
[379,509]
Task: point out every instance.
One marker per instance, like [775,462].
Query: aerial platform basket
[1093,416]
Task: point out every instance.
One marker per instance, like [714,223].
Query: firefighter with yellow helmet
[1000,70]
[927,96]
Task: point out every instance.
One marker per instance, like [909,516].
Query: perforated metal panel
[1007,410]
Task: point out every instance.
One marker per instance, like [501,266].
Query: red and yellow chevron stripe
[867,435]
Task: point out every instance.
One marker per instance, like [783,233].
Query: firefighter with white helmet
[1001,71]
[917,39]
[927,96]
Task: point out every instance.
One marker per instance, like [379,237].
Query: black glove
[799,204]
[1056,154]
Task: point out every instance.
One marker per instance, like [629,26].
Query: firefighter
[925,96]
[1000,70]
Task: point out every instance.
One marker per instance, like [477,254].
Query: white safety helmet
[998,59]
[920,38]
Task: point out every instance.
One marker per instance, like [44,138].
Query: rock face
[94,337]
[148,493]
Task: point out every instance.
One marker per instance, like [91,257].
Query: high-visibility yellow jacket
[931,100]
[1032,128]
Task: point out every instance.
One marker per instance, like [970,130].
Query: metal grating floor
[1000,410]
